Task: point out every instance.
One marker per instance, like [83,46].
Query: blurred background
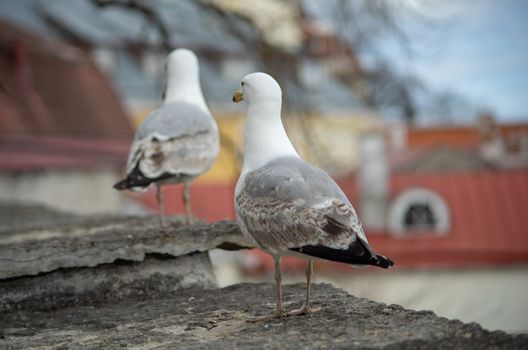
[417,108]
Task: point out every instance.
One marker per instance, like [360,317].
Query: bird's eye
[242,83]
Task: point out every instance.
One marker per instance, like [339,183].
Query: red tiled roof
[489,221]
[458,136]
[453,136]
[56,109]
[53,89]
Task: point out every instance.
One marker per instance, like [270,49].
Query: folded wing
[178,139]
[290,205]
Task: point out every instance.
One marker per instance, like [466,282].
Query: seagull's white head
[257,88]
[264,136]
[182,63]
[183,79]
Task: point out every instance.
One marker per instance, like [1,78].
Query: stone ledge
[205,319]
[89,242]
[108,283]
[51,260]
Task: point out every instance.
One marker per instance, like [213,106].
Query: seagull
[176,142]
[286,206]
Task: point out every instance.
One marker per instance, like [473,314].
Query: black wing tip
[347,256]
[121,185]
[130,183]
[383,262]
[135,179]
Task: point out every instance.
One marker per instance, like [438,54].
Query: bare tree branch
[150,14]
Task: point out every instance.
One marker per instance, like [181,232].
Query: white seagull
[178,141]
[287,206]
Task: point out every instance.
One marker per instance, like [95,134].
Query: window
[418,210]
[419,216]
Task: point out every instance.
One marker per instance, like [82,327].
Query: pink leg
[306,309]
[161,211]
[279,310]
[186,197]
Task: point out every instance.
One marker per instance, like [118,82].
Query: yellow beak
[238,96]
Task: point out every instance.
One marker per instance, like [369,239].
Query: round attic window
[418,210]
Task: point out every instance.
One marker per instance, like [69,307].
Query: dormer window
[418,210]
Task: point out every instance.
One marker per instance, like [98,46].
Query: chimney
[492,147]
[373,181]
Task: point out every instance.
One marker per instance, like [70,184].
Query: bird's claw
[277,314]
[305,310]
[189,220]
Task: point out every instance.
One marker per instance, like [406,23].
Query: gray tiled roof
[26,14]
[190,25]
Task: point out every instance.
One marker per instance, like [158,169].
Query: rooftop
[50,88]
[58,111]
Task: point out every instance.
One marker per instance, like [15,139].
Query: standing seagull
[178,141]
[287,206]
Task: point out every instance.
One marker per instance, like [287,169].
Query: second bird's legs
[159,199]
[306,309]
[279,310]
[186,198]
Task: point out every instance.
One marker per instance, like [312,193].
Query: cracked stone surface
[216,318]
[51,260]
[153,277]
[92,241]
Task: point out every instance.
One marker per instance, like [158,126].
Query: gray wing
[175,119]
[289,204]
[178,138]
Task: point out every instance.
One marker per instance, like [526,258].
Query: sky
[481,52]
